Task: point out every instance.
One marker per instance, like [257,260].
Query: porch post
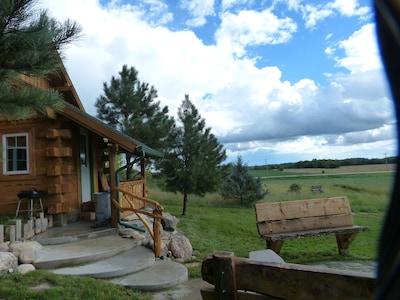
[143,176]
[113,183]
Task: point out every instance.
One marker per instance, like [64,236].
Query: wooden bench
[280,221]
[245,279]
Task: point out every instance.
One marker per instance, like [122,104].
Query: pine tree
[31,44]
[129,106]
[241,186]
[192,164]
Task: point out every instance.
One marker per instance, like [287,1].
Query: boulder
[4,247]
[180,247]
[8,262]
[18,247]
[27,256]
[25,268]
[169,222]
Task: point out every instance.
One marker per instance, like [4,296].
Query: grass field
[214,224]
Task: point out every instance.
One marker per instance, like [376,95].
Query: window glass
[15,153]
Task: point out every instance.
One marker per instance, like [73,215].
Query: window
[15,153]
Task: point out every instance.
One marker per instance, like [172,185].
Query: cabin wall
[54,166]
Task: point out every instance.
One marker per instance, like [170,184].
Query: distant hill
[329,163]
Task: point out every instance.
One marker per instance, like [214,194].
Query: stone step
[163,274]
[119,260]
[75,238]
[73,232]
[81,252]
[131,261]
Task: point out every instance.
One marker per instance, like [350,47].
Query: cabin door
[85,166]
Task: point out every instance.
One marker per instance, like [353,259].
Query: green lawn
[44,285]
[213,224]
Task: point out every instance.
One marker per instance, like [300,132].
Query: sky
[276,81]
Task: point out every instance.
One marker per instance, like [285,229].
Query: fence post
[225,275]
[157,231]
[1,233]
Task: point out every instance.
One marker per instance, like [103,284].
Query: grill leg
[19,204]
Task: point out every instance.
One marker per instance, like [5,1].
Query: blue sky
[277,81]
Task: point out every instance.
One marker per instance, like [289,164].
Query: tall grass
[214,224]
[46,285]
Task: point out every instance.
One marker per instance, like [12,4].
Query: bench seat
[280,221]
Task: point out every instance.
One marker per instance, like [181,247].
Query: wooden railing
[241,278]
[129,201]
[136,187]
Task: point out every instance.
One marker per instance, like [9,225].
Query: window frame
[5,153]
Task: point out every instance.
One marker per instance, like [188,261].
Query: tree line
[329,163]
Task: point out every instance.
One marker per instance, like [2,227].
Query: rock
[181,247]
[27,256]
[25,268]
[130,218]
[266,255]
[4,247]
[149,243]
[130,233]
[169,222]
[8,262]
[18,247]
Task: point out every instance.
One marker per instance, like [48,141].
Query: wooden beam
[113,183]
[225,270]
[289,281]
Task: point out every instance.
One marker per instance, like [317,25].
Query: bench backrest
[302,215]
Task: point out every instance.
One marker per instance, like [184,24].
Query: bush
[241,186]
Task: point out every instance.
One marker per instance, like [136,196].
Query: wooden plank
[301,208]
[54,133]
[208,293]
[305,224]
[224,269]
[315,233]
[292,281]
[58,152]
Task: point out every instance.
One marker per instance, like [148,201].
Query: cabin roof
[62,83]
[95,125]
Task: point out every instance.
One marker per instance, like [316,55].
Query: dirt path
[190,290]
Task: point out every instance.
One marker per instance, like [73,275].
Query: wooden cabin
[66,154]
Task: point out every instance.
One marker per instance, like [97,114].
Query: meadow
[214,224]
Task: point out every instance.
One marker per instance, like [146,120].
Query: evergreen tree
[241,186]
[192,163]
[30,44]
[129,106]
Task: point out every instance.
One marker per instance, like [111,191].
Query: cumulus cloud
[199,10]
[361,51]
[315,13]
[249,28]
[249,107]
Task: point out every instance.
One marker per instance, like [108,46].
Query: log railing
[129,202]
[241,278]
[136,187]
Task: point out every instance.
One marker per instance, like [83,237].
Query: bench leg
[343,241]
[276,246]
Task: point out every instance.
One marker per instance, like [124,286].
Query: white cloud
[313,14]
[248,107]
[350,8]
[199,10]
[249,28]
[361,51]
